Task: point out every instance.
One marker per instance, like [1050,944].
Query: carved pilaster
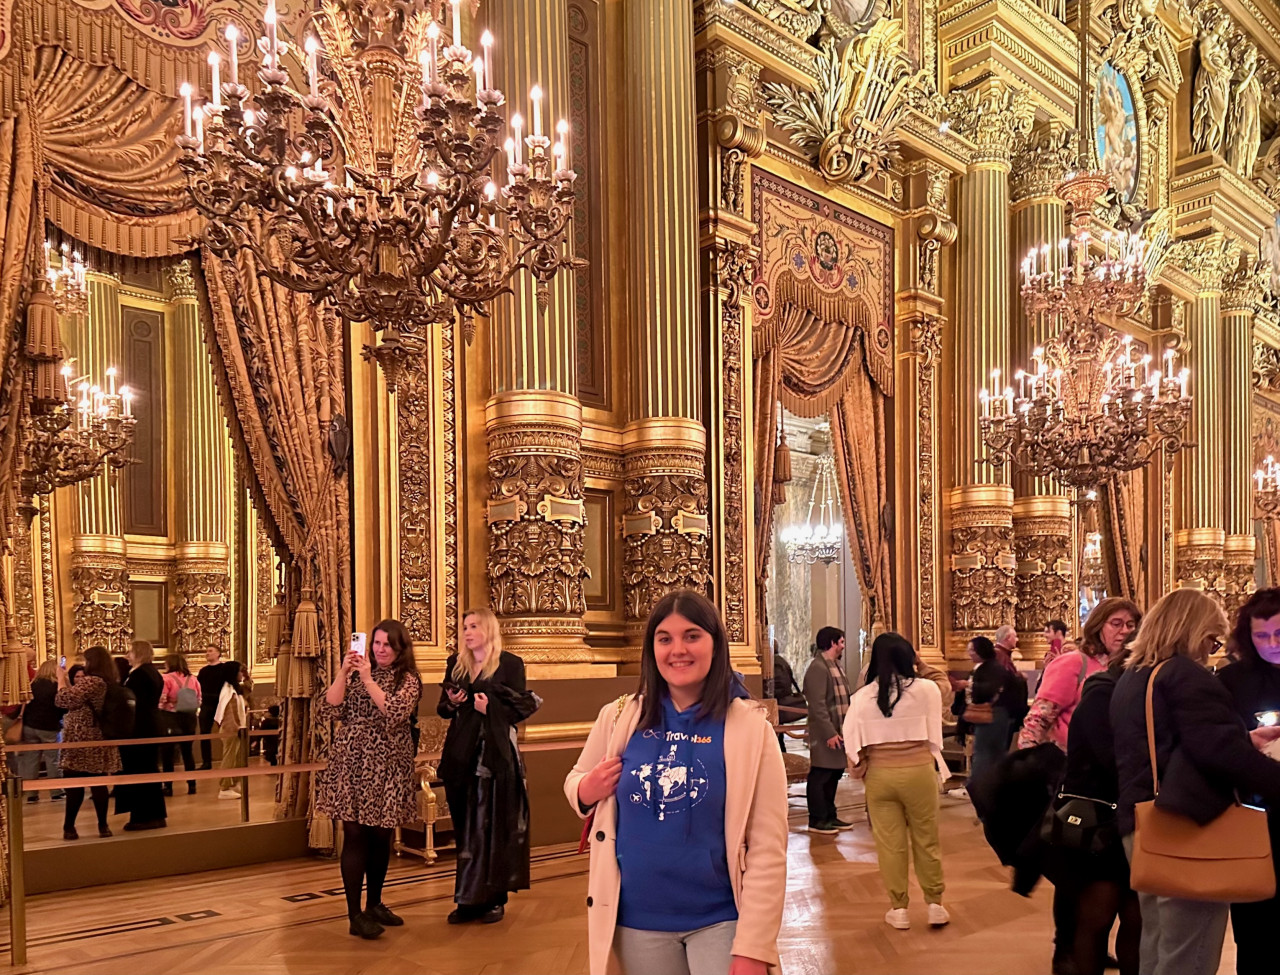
[23,623]
[926,341]
[417,514]
[1239,565]
[103,600]
[536,522]
[1200,560]
[202,605]
[664,522]
[983,566]
[1042,547]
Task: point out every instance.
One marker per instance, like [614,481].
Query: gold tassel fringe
[301,678]
[306,628]
[277,625]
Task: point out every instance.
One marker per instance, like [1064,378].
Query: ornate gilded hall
[923,316]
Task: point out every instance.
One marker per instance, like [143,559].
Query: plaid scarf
[842,691]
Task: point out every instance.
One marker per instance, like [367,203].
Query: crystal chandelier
[68,285]
[1092,407]
[817,540]
[376,187]
[1266,490]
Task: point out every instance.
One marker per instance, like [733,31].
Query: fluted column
[1041,510]
[1239,300]
[99,577]
[997,120]
[665,445]
[202,580]
[1201,536]
[536,514]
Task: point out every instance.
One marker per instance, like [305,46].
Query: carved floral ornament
[848,124]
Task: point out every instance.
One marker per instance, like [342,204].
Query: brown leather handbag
[1227,860]
[983,713]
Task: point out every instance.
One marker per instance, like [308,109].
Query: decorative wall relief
[926,339]
[982,585]
[1212,92]
[996,118]
[1244,126]
[103,602]
[417,465]
[1140,42]
[1231,82]
[202,606]
[848,124]
[1117,135]
[1042,548]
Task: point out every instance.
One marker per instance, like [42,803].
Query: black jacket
[462,741]
[1011,802]
[1091,755]
[211,678]
[40,712]
[1254,686]
[1203,751]
[147,686]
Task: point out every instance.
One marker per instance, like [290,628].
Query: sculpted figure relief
[1245,133]
[1213,89]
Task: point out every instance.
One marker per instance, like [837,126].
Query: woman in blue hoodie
[686,793]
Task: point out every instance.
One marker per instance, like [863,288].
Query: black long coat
[484,782]
[143,803]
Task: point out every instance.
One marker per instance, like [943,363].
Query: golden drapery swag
[279,363]
[815,363]
[1122,502]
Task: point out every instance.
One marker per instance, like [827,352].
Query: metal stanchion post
[244,779]
[17,879]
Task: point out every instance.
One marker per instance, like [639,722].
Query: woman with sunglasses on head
[1196,722]
[369,783]
[687,796]
[1254,684]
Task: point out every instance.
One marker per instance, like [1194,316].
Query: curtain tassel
[44,348]
[781,471]
[277,625]
[306,627]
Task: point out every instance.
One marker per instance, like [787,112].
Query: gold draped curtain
[1123,502]
[279,365]
[812,356]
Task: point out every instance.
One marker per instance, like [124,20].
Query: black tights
[366,853]
[1096,908]
[75,799]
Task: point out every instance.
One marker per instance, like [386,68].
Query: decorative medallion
[1116,130]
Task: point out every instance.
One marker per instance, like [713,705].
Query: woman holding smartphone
[369,782]
[688,795]
[1254,683]
[483,697]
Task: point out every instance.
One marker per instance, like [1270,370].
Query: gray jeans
[27,764]
[1179,937]
[704,951]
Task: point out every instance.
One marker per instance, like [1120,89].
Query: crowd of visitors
[105,698]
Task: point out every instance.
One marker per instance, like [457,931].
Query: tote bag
[1227,860]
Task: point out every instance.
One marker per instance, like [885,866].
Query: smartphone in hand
[359,643]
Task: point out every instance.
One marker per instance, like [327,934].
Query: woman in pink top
[179,705]
[1106,631]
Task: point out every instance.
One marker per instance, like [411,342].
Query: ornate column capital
[103,600]
[1200,560]
[1243,288]
[180,281]
[997,119]
[1044,161]
[202,604]
[983,566]
[1042,547]
[1239,561]
[1209,260]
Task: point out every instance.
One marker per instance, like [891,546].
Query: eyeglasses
[1217,645]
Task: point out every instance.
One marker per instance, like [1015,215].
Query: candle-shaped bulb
[457,22]
[517,123]
[490,190]
[185,92]
[535,96]
[486,42]
[232,33]
[433,179]
[562,130]
[478,66]
[215,65]
[312,46]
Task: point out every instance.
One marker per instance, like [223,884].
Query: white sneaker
[898,918]
[228,794]
[938,916]
[958,793]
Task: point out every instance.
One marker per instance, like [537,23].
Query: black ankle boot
[363,926]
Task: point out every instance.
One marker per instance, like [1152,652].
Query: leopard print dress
[370,775]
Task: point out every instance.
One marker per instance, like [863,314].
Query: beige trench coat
[755,826]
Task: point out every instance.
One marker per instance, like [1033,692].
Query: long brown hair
[1091,634]
[98,663]
[399,640]
[717,691]
[176,663]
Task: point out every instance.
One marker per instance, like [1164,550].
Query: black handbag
[1080,823]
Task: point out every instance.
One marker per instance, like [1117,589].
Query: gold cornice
[547,407]
[848,194]
[214,551]
[1206,193]
[1247,14]
[1239,545]
[735,25]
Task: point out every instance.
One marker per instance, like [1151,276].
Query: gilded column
[535,512]
[202,581]
[1041,511]
[1240,297]
[665,444]
[99,575]
[997,121]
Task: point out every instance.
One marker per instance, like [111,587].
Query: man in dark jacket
[211,677]
[827,692]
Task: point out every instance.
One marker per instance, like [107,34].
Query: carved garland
[416,464]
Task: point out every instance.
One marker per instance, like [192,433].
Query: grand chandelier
[376,188]
[1266,490]
[820,538]
[1092,406]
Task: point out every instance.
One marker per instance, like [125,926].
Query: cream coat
[755,821]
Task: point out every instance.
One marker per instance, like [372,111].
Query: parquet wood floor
[290,918]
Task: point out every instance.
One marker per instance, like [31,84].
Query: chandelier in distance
[74,428]
[1266,490]
[377,187]
[821,537]
[1092,406]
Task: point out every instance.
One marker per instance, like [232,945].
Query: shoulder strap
[1151,726]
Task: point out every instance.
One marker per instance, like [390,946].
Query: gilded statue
[1213,89]
[1245,131]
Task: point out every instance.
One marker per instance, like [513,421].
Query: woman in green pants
[893,736]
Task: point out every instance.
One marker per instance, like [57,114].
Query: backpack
[117,714]
[187,701]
